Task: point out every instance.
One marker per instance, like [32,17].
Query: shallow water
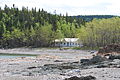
[2,56]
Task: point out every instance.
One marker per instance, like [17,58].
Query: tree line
[100,32]
[38,28]
[34,28]
[91,17]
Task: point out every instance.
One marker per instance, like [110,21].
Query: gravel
[54,64]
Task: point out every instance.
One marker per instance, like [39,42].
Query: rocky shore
[60,65]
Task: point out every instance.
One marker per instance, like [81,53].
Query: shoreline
[53,65]
[71,54]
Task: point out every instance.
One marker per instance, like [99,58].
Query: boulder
[82,78]
[109,49]
[84,61]
[73,78]
[97,59]
[112,57]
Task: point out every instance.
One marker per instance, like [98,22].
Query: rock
[27,74]
[117,61]
[101,50]
[67,67]
[31,67]
[102,66]
[84,60]
[58,61]
[109,49]
[61,66]
[76,62]
[73,78]
[88,78]
[112,57]
[13,64]
[97,59]
[82,78]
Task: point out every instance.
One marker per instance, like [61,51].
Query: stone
[73,78]
[109,49]
[31,67]
[27,74]
[97,59]
[112,57]
[82,78]
[58,61]
[84,60]
[102,66]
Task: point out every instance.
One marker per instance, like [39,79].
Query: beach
[51,64]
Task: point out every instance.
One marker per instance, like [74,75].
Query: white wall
[67,44]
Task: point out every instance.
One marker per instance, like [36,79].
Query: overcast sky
[72,7]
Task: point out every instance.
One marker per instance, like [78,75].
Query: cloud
[72,7]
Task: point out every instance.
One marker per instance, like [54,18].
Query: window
[73,43]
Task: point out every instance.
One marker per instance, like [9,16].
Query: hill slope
[90,17]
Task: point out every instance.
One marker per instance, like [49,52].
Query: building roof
[67,40]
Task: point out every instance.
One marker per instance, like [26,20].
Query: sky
[72,7]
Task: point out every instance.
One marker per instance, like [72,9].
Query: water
[3,56]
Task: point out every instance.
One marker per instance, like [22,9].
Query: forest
[100,32]
[38,28]
[91,17]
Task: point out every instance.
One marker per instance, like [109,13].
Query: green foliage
[33,28]
[13,39]
[91,17]
[58,34]
[2,28]
[43,35]
[100,32]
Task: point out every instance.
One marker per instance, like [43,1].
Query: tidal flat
[54,64]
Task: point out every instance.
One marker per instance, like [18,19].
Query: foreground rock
[109,49]
[113,61]
[61,67]
[95,59]
[112,57]
[81,78]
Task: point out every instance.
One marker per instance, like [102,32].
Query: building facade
[68,42]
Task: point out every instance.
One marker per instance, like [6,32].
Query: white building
[68,42]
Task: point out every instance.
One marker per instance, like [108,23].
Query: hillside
[91,17]
[38,28]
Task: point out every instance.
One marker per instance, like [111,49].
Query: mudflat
[52,64]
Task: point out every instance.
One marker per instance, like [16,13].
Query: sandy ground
[30,68]
[53,53]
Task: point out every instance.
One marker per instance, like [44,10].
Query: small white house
[68,42]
